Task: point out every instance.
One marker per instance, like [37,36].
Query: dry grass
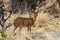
[44,24]
[41,19]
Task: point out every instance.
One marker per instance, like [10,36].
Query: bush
[4,35]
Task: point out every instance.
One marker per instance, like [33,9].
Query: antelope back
[23,22]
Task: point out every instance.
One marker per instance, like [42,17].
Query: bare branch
[8,26]
[7,17]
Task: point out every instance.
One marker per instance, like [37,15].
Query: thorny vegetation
[16,6]
[25,6]
[48,13]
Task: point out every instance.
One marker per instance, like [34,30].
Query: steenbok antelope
[24,22]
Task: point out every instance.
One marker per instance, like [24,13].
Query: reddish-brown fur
[24,22]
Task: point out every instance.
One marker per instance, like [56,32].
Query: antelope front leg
[14,29]
[29,29]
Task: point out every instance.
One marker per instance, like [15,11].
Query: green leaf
[27,38]
[14,34]
[4,35]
